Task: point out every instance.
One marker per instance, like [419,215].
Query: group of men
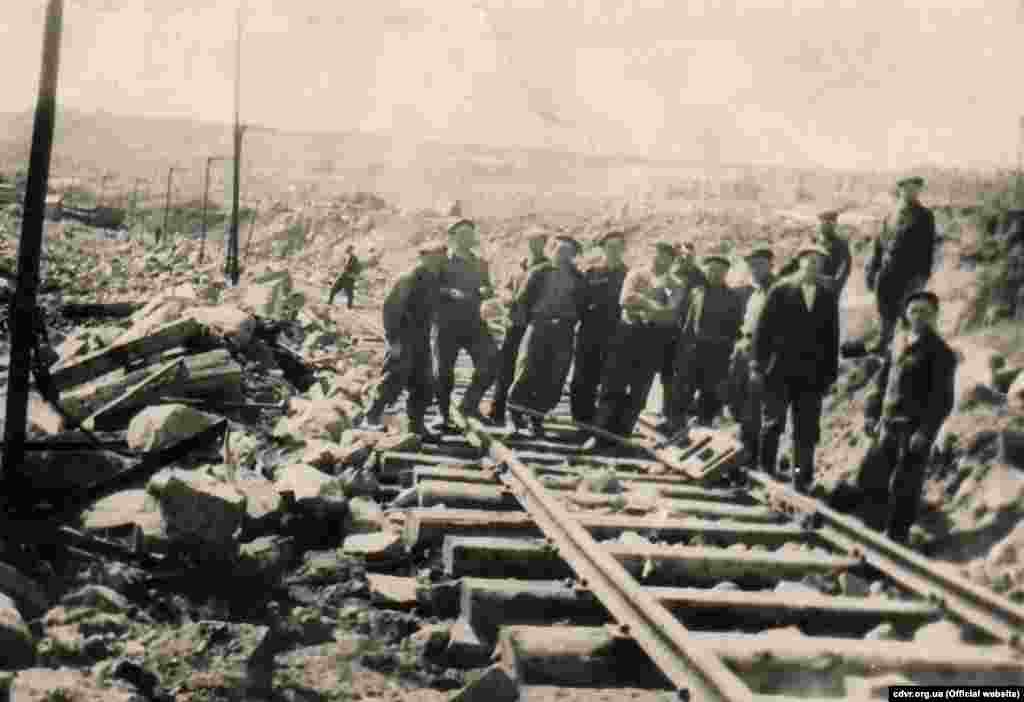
[768,352]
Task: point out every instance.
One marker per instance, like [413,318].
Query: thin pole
[231,264]
[23,306]
[167,204]
[252,228]
[206,199]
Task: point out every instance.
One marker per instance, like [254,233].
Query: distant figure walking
[347,280]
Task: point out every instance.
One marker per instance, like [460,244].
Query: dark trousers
[633,360]
[668,369]
[544,367]
[346,284]
[451,337]
[407,366]
[701,365]
[792,397]
[506,370]
[745,402]
[890,293]
[891,479]
[593,341]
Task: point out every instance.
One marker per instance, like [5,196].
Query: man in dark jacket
[347,280]
[795,361]
[465,284]
[550,303]
[537,241]
[902,256]
[598,325]
[913,396]
[709,332]
[745,404]
[407,315]
[836,269]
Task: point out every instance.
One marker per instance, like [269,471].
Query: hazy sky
[867,84]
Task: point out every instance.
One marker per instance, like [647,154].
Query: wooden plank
[139,395]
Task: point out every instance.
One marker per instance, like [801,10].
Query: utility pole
[1020,164]
[231,260]
[206,199]
[23,310]
[167,204]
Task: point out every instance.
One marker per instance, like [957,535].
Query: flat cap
[911,180]
[715,258]
[537,233]
[611,235]
[569,239]
[667,246]
[461,223]
[829,215]
[433,247]
[760,252]
[928,295]
[811,248]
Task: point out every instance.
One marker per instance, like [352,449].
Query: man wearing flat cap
[913,395]
[347,280]
[598,325]
[649,312]
[550,303]
[709,330]
[537,240]
[465,284]
[407,315]
[745,401]
[902,256]
[796,360]
[838,262]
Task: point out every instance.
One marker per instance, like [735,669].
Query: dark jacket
[411,304]
[538,301]
[715,313]
[603,290]
[353,267]
[905,248]
[916,385]
[793,344]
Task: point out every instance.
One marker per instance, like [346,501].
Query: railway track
[642,566]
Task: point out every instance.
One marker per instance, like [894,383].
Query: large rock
[266,558]
[364,516]
[228,322]
[208,656]
[49,685]
[270,295]
[325,420]
[17,646]
[314,491]
[263,504]
[163,425]
[199,510]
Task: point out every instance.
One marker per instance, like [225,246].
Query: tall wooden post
[23,306]
[167,205]
[231,270]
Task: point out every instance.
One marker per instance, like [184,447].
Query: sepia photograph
[511,350]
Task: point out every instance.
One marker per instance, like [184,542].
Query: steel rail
[960,598]
[696,674]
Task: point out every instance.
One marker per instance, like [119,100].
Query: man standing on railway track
[407,315]
[745,402]
[795,361]
[709,331]
[598,324]
[637,350]
[537,241]
[913,395]
[465,284]
[347,280]
[902,256]
[550,303]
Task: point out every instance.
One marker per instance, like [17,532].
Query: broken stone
[17,645]
[328,455]
[50,685]
[883,632]
[316,419]
[359,482]
[199,510]
[325,567]
[215,655]
[791,587]
[30,597]
[382,546]
[465,649]
[263,504]
[392,590]
[940,633]
[364,516]
[495,685]
[603,482]
[48,470]
[315,492]
[163,425]
[1011,448]
[228,322]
